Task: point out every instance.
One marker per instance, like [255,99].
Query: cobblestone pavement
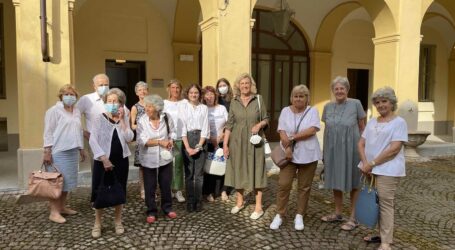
[425,219]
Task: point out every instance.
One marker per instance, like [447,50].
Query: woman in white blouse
[155,133]
[63,143]
[382,154]
[171,107]
[195,131]
[297,126]
[109,139]
[213,184]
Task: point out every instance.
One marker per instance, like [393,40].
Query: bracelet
[373,163]
[198,147]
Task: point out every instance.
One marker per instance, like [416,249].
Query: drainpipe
[44,41]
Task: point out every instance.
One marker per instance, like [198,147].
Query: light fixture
[281,19]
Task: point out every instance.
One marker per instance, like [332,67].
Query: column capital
[71,5]
[209,23]
[16,3]
[386,39]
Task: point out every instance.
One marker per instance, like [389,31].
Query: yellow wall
[439,112]
[111,29]
[353,48]
[8,106]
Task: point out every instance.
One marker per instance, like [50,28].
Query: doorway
[124,75]
[278,63]
[359,81]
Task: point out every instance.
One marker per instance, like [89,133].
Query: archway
[278,64]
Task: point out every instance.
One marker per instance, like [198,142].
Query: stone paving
[425,219]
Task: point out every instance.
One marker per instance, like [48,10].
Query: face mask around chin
[223,90]
[69,100]
[102,90]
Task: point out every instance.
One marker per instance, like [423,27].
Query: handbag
[109,195]
[45,184]
[267,149]
[278,154]
[367,205]
[215,165]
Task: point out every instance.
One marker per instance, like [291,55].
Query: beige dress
[246,164]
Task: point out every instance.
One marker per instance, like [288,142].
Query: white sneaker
[298,222]
[276,223]
[179,196]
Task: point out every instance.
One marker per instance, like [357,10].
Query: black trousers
[163,176]
[194,169]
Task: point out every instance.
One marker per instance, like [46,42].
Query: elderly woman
[214,185]
[63,143]
[142,90]
[297,126]
[171,107]
[195,132]
[224,90]
[155,132]
[109,142]
[344,120]
[246,162]
[381,154]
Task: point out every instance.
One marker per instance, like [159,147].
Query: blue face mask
[69,100]
[102,90]
[111,108]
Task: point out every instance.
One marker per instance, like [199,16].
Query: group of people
[173,137]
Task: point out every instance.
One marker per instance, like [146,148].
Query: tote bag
[367,205]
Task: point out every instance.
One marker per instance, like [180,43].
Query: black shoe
[190,208]
[198,207]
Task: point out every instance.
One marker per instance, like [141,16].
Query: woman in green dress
[246,161]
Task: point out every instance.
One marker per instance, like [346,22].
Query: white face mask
[223,90]
[102,90]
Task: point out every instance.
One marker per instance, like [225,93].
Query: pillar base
[28,160]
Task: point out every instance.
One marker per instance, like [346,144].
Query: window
[2,57]
[427,65]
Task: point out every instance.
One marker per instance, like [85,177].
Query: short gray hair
[141,84]
[341,80]
[301,89]
[119,93]
[154,100]
[97,76]
[386,93]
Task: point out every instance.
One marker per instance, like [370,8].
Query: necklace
[336,114]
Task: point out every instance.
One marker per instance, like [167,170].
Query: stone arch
[186,21]
[379,11]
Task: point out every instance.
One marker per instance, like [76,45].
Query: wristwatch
[372,163]
[198,147]
[291,138]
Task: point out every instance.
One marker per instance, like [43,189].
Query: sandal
[372,239]
[119,229]
[332,218]
[349,225]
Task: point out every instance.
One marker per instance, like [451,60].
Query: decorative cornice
[208,23]
[386,39]
[16,3]
[71,5]
[252,21]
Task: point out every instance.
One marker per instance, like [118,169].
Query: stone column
[38,82]
[226,39]
[321,72]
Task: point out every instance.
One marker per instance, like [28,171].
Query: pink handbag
[45,184]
